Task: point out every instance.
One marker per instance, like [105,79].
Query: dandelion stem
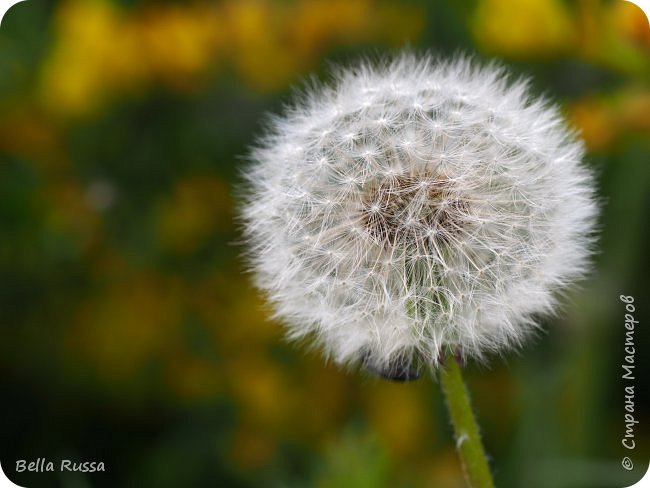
[468,441]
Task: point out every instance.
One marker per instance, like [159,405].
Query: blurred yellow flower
[123,329]
[523,28]
[321,414]
[26,132]
[632,23]
[602,120]
[443,471]
[95,51]
[198,206]
[635,112]
[254,31]
[608,36]
[597,124]
[191,378]
[621,42]
[401,416]
[178,43]
[261,390]
[101,50]
[319,22]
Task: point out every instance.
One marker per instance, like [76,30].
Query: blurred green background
[129,331]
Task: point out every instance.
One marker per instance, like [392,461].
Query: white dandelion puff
[416,206]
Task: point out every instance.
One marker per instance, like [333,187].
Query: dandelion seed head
[416,206]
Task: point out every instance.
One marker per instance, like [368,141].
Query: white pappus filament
[414,206]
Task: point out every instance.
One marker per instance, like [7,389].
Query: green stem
[468,440]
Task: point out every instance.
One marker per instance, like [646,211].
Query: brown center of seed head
[412,209]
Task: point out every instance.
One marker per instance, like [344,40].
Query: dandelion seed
[454,232]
